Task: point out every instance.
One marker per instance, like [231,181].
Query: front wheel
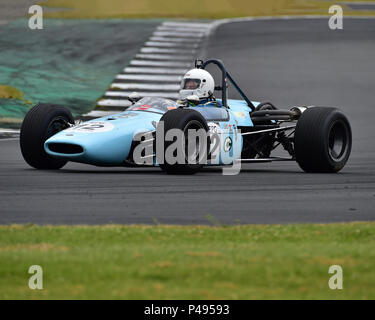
[40,123]
[322,140]
[193,151]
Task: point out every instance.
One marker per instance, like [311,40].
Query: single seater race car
[318,138]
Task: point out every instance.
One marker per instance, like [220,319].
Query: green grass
[194,262]
[206,9]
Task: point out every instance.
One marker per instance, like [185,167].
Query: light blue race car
[318,138]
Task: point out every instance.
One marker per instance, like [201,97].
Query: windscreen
[151,104]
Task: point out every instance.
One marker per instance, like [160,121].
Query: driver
[197,82]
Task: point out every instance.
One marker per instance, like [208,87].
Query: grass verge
[202,9]
[193,262]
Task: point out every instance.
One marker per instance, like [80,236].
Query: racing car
[319,139]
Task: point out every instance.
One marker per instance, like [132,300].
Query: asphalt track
[289,62]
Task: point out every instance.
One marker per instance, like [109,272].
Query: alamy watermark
[36,20]
[36,280]
[336,21]
[220,147]
[336,280]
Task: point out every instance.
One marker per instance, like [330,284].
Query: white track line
[159,63]
[187,25]
[9,131]
[169,44]
[114,103]
[358,2]
[170,95]
[217,23]
[178,40]
[167,57]
[155,70]
[181,30]
[149,77]
[146,86]
[177,34]
[165,50]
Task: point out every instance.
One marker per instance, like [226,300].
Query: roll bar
[200,64]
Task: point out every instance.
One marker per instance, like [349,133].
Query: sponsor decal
[239,114]
[228,144]
[228,127]
[91,127]
[143,107]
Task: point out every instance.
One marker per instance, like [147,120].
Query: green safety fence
[69,62]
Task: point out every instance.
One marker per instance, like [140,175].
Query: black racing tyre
[322,140]
[182,119]
[40,123]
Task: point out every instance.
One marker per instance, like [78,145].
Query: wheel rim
[197,154]
[56,125]
[338,141]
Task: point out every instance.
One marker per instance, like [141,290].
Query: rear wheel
[194,150]
[322,140]
[41,123]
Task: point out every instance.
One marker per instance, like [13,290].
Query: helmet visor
[190,84]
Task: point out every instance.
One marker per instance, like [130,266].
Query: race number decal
[228,144]
[214,127]
[91,127]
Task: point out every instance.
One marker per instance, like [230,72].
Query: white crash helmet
[197,82]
